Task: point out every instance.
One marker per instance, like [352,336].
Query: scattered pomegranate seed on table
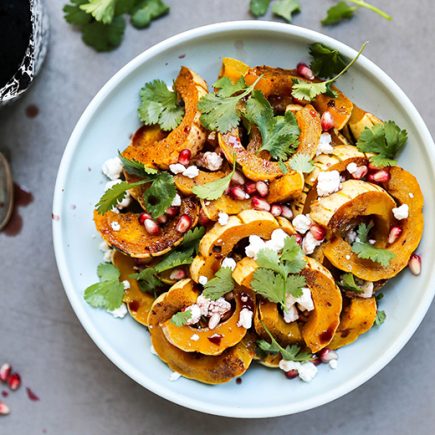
[31,395]
[14,381]
[5,371]
[4,409]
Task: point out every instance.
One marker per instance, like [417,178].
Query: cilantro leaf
[286,8]
[380,318]
[363,232]
[214,189]
[269,284]
[147,279]
[386,140]
[134,167]
[102,10]
[175,259]
[104,37]
[220,285]
[279,134]
[301,163]
[74,15]
[147,11]
[159,106]
[222,113]
[108,292]
[293,256]
[269,259]
[124,6]
[348,283]
[305,90]
[294,284]
[337,13]
[259,8]
[289,353]
[158,198]
[192,238]
[181,318]
[326,62]
[114,195]
[226,87]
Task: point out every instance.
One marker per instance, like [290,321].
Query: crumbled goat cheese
[191,172]
[195,314]
[212,161]
[174,376]
[255,244]
[367,288]
[411,195]
[115,226]
[333,364]
[229,262]
[152,350]
[223,218]
[112,183]
[401,212]
[277,238]
[304,303]
[203,280]
[290,314]
[112,168]
[119,312]
[325,146]
[194,337]
[126,284]
[310,243]
[302,223]
[372,241]
[245,318]
[176,202]
[347,257]
[328,183]
[177,168]
[104,247]
[351,237]
[306,371]
[208,307]
[125,202]
[352,168]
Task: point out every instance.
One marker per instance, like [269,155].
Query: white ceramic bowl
[105,127]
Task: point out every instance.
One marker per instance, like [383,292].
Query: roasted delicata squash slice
[357,317]
[190,134]
[132,239]
[208,341]
[138,302]
[217,369]
[360,120]
[220,240]
[285,188]
[224,204]
[404,188]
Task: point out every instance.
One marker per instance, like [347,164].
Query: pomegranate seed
[203,219]
[360,172]
[151,227]
[298,238]
[381,176]
[31,395]
[286,212]
[395,232]
[238,178]
[316,360]
[5,372]
[162,219]
[236,192]
[326,355]
[250,187]
[184,157]
[415,264]
[305,71]
[318,232]
[172,211]
[260,204]
[4,409]
[177,274]
[14,381]
[184,223]
[276,210]
[143,217]
[214,320]
[291,374]
[262,188]
[326,121]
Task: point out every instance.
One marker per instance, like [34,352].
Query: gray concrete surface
[80,391]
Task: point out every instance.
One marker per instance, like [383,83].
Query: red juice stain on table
[22,198]
[32,111]
[31,395]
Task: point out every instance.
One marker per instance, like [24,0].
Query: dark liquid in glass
[15,30]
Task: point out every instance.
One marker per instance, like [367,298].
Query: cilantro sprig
[380,317]
[304,90]
[289,353]
[385,140]
[301,163]
[181,318]
[108,292]
[326,62]
[282,8]
[133,167]
[344,11]
[276,276]
[348,283]
[159,106]
[220,285]
[259,8]
[363,249]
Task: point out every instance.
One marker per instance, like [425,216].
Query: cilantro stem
[364,4]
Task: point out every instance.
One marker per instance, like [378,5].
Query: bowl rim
[75,299]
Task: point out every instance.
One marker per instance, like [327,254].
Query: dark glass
[15,30]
